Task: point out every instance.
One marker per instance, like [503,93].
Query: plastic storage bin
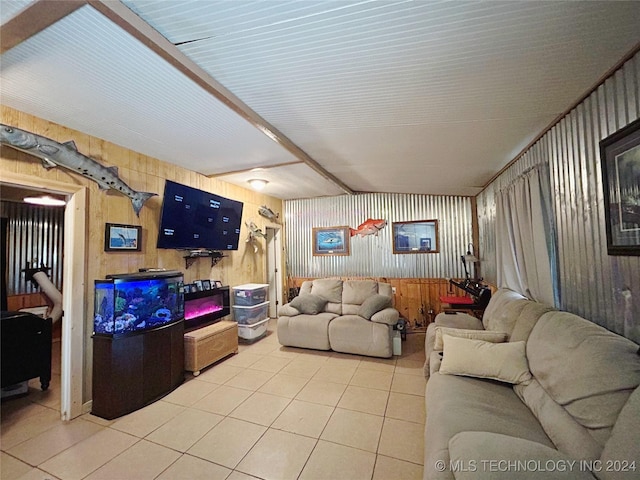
[253,332]
[250,294]
[250,315]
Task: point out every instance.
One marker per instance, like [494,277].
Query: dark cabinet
[133,370]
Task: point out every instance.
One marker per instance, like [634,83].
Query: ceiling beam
[33,19]
[245,170]
[126,19]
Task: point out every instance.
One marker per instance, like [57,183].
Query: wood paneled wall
[145,174]
[26,300]
[417,299]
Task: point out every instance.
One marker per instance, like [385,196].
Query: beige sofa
[574,412]
[350,316]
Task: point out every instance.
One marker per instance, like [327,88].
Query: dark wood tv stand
[134,370]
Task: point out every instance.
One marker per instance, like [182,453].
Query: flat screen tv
[193,219]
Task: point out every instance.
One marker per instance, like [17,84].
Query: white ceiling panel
[427,97]
[371,84]
[287,182]
[438,158]
[88,74]
[9,8]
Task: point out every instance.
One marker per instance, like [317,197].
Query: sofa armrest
[287,310]
[429,341]
[491,456]
[459,320]
[389,316]
[435,360]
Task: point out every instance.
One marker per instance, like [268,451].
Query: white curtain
[523,238]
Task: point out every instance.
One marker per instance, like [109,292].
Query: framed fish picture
[620,160]
[419,236]
[122,238]
[331,241]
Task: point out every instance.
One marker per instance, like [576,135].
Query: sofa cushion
[454,320]
[491,455]
[309,303]
[305,331]
[584,368]
[485,335]
[527,319]
[624,445]
[305,287]
[373,304]
[355,292]
[566,433]
[354,334]
[503,309]
[505,362]
[457,404]
[385,289]
[331,289]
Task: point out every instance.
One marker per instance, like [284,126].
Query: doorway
[74,280]
[274,269]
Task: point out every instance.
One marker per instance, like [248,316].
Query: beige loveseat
[350,316]
[570,410]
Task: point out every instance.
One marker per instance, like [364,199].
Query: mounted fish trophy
[267,213]
[368,227]
[254,234]
[66,155]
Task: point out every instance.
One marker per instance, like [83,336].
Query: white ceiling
[378,96]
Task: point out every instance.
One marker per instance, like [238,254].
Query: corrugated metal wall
[602,288]
[35,235]
[373,255]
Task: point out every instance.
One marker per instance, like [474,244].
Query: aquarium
[135,302]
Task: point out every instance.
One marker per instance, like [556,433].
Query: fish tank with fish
[128,303]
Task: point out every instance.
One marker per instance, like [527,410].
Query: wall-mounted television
[193,219]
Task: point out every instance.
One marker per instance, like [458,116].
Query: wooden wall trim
[33,19]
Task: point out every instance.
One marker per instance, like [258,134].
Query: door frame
[73,299]
[274,260]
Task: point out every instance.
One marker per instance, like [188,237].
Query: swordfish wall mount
[66,155]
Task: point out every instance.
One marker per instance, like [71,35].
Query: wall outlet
[393,290]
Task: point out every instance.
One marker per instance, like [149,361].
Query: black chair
[26,348]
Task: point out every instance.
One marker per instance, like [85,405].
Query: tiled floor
[268,412]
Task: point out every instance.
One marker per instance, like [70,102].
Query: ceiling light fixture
[257,183]
[46,201]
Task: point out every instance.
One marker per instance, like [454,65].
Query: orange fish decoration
[368,227]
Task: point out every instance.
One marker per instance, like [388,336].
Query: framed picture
[331,240]
[218,284]
[419,236]
[187,288]
[620,160]
[120,238]
[206,285]
[198,284]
